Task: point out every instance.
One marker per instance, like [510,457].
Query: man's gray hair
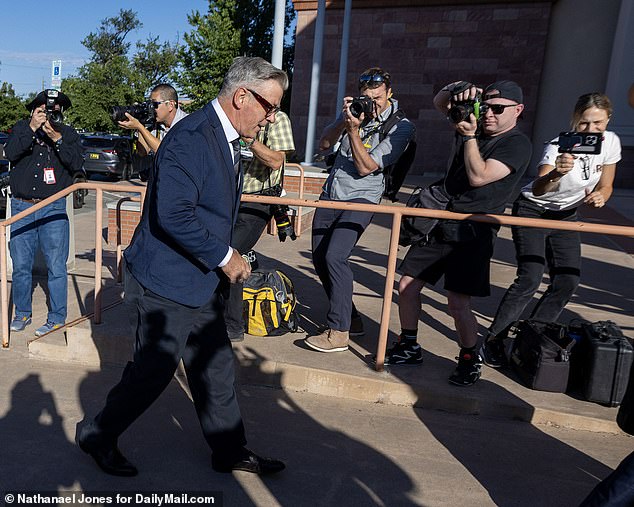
[248,71]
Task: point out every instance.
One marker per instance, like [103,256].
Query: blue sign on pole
[56,74]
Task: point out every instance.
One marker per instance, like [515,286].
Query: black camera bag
[417,229]
[540,355]
[601,363]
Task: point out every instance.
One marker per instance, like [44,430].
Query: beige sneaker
[330,340]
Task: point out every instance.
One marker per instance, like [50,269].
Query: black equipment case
[540,355]
[601,363]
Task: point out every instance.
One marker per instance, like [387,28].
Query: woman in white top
[564,183]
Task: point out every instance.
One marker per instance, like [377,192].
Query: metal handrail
[396,211]
[298,218]
[99,188]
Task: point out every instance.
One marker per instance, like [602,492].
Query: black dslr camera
[361,105]
[586,143]
[283,222]
[144,112]
[54,116]
[460,111]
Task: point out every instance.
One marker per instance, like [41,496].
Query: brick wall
[313,181]
[424,47]
[124,226]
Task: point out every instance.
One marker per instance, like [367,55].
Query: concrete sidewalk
[338,452]
[89,359]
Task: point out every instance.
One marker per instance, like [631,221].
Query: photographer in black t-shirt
[489,157]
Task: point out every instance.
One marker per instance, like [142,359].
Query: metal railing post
[98,254]
[4,292]
[389,288]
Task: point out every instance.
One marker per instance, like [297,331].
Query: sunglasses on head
[268,107]
[370,79]
[495,108]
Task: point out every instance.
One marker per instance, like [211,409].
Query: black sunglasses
[496,108]
[157,104]
[371,79]
[268,107]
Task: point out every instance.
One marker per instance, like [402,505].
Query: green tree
[230,28]
[208,52]
[113,77]
[11,107]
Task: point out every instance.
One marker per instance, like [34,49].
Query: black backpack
[395,174]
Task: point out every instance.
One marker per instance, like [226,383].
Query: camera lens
[356,109]
[55,118]
[460,112]
[361,105]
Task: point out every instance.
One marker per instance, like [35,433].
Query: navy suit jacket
[190,207]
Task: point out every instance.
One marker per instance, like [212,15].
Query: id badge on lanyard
[49,176]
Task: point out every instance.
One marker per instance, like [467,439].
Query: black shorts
[466,265]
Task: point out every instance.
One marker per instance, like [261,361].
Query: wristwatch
[58,143]
[466,138]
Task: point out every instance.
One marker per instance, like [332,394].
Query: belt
[30,201]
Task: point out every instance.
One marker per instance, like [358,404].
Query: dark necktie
[236,155]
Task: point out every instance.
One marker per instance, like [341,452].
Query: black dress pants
[167,332]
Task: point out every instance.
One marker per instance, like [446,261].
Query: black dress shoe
[250,463]
[108,457]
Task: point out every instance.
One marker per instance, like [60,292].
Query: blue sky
[34,33]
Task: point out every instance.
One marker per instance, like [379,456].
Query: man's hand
[53,134]
[468,94]
[350,122]
[237,269]
[131,123]
[467,128]
[38,118]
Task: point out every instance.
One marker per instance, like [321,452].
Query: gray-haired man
[179,259]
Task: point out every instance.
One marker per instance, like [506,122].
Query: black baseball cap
[504,90]
[61,99]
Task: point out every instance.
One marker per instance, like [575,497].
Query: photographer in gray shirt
[356,176]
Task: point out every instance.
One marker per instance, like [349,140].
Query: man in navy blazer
[177,264]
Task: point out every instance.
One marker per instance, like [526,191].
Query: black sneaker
[404,352]
[493,354]
[356,327]
[467,372]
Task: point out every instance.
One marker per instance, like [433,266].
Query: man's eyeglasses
[495,108]
[268,107]
[157,104]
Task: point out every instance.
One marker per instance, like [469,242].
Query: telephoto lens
[283,223]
